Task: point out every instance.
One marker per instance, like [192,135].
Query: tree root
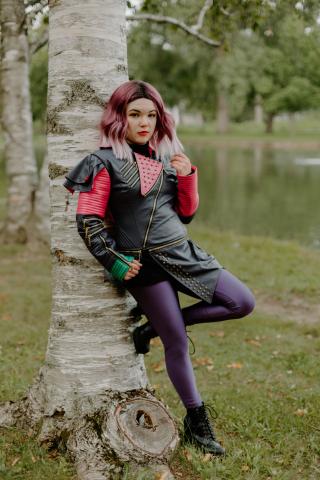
[131,427]
[25,413]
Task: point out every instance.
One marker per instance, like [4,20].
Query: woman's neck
[142,149]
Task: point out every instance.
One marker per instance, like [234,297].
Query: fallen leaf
[207,457]
[202,361]
[301,412]
[209,367]
[53,454]
[245,468]
[158,366]
[235,365]
[14,461]
[156,342]
[33,458]
[219,333]
[188,455]
[155,385]
[161,476]
[251,341]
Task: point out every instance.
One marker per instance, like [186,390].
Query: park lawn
[304,129]
[260,373]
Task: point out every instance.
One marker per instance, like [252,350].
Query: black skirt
[151,273]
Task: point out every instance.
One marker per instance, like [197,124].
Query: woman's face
[142,119]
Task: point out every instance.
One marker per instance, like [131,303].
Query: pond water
[254,191]
[260,191]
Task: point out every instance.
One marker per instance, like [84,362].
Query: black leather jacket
[142,223]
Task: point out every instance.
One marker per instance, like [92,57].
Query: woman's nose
[144,120]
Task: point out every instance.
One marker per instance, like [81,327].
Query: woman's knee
[247,304]
[176,345]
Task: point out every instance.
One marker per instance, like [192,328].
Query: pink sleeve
[188,197]
[96,201]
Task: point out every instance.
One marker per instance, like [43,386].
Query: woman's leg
[160,304]
[232,299]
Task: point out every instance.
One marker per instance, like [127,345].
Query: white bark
[258,110]
[42,205]
[16,121]
[88,350]
[92,392]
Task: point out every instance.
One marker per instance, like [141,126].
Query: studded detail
[184,277]
[149,171]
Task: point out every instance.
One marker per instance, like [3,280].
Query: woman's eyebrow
[136,110]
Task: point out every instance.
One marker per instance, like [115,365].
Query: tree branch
[191,30]
[41,42]
[226,13]
[207,5]
[177,23]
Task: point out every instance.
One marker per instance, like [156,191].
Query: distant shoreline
[231,141]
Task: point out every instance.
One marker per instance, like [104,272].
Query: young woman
[142,177]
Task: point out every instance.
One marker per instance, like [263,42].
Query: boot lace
[194,348]
[204,422]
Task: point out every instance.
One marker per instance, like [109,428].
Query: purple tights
[160,303]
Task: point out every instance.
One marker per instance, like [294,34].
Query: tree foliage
[271,49]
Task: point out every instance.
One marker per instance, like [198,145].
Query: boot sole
[188,438]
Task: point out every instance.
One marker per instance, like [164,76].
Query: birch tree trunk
[92,395]
[42,229]
[258,110]
[16,120]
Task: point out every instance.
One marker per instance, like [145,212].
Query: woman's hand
[133,270]
[181,163]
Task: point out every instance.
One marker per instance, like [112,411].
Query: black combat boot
[199,431]
[142,336]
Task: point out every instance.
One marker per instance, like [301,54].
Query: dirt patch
[295,308]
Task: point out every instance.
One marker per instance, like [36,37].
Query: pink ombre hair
[113,125]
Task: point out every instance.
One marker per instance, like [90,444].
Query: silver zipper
[147,231]
[169,244]
[99,229]
[152,213]
[114,252]
[94,229]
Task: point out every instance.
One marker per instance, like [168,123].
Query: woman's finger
[136,262]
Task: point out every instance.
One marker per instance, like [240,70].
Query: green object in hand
[119,268]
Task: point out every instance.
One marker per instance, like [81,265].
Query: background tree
[247,72]
[16,122]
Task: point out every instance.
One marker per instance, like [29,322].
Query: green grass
[261,372]
[303,129]
[280,269]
